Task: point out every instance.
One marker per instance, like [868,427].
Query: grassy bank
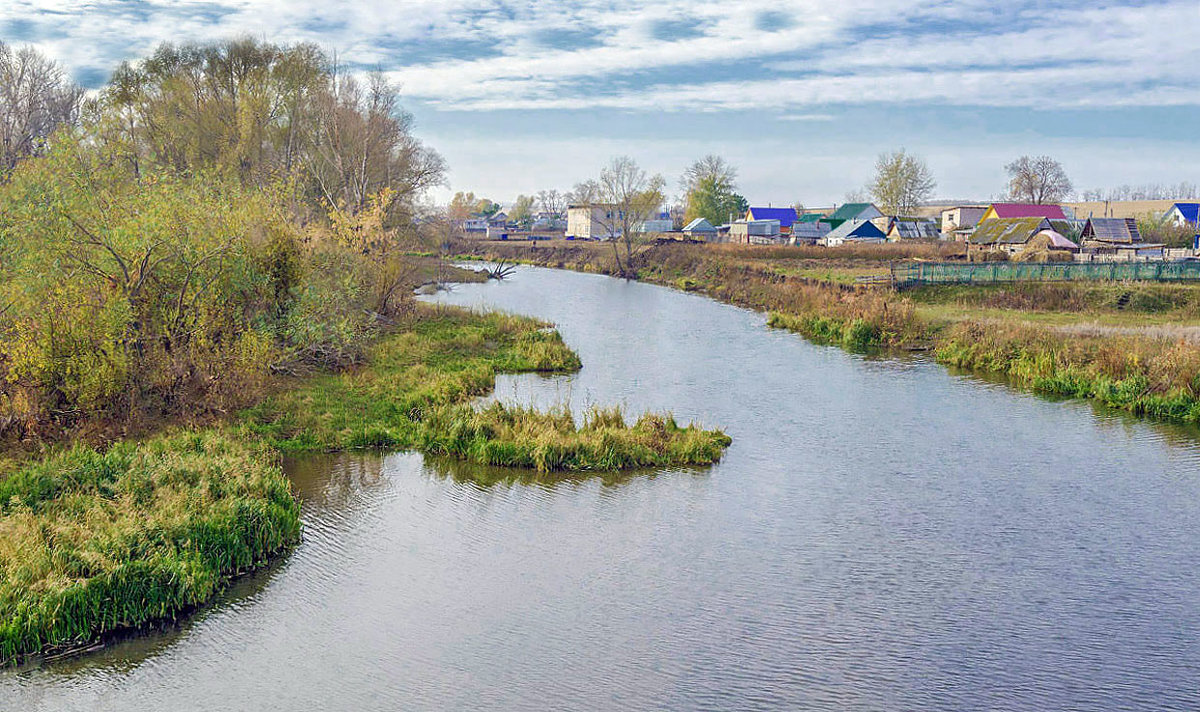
[96,541]
[1126,345]
[413,392]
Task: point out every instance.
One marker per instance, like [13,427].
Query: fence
[913,274]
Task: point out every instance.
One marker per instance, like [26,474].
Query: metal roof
[1007,231]
[913,228]
[851,211]
[810,218]
[785,216]
[1123,230]
[856,228]
[810,229]
[1028,210]
[1190,211]
[699,225]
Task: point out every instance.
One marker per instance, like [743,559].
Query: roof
[1028,210]
[699,225]
[852,211]
[1189,211]
[1057,240]
[1008,231]
[810,218]
[810,229]
[856,228]
[913,228]
[785,216]
[1124,230]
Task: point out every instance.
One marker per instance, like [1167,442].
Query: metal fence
[908,275]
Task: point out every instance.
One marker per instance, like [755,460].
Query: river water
[882,534]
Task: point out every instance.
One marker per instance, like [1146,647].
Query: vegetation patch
[413,391]
[97,541]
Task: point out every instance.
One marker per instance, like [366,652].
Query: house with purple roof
[785,216]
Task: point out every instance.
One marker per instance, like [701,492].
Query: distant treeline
[215,213]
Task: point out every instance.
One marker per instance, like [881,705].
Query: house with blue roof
[785,216]
[1182,214]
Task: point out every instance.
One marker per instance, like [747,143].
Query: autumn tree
[1038,179]
[714,199]
[36,98]
[629,197]
[712,167]
[902,183]
[522,211]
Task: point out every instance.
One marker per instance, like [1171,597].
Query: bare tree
[585,193]
[36,98]
[902,182]
[553,202]
[628,197]
[1038,179]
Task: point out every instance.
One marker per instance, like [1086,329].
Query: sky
[800,96]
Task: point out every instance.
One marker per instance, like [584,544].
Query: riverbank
[1111,343]
[94,540]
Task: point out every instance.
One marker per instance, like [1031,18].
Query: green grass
[96,541]
[413,393]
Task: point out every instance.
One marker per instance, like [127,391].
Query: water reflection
[880,535]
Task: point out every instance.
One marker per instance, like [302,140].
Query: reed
[97,541]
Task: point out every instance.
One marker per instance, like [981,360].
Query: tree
[629,197]
[36,98]
[461,206]
[713,199]
[553,202]
[585,193]
[1038,179]
[712,167]
[522,211]
[902,182]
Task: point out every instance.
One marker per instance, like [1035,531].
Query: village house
[1117,239]
[808,232]
[1011,235]
[754,232]
[908,228]
[591,222]
[1184,214]
[700,229]
[853,211]
[962,217]
[785,216]
[475,223]
[863,231]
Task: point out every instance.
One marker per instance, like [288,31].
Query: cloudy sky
[531,94]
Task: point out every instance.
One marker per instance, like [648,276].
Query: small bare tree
[1038,179]
[628,197]
[902,182]
[36,98]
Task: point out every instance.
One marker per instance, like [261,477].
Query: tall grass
[96,541]
[413,393]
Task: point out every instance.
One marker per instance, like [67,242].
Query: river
[882,534]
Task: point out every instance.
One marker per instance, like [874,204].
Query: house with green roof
[853,211]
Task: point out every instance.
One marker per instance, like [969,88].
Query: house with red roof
[1023,210]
